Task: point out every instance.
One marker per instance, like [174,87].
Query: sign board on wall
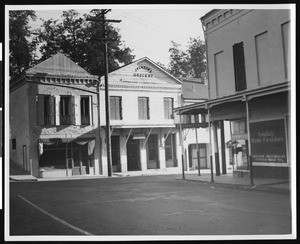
[268,143]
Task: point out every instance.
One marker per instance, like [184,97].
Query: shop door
[133,154]
[194,157]
[152,162]
[80,160]
[115,153]
[170,151]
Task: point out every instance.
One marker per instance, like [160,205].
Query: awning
[201,107]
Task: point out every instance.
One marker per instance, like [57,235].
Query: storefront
[65,157]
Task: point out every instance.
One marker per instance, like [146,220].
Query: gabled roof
[59,65]
[143,71]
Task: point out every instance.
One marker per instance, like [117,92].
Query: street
[144,205]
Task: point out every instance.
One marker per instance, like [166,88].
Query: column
[216,147]
[161,150]
[223,155]
[123,154]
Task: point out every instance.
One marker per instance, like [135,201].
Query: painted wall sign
[268,143]
[143,71]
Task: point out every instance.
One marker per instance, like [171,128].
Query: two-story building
[144,136]
[54,120]
[249,77]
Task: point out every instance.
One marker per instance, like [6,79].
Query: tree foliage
[21,46]
[78,39]
[189,63]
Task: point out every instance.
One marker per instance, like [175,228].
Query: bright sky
[148,30]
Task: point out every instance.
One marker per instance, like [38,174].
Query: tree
[21,46]
[178,65]
[191,63]
[197,56]
[78,39]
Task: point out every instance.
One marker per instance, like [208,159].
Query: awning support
[164,142]
[111,131]
[147,137]
[249,141]
[127,138]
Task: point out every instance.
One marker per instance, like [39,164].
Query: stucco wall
[19,124]
[243,26]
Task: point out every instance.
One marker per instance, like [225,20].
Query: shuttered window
[45,110]
[116,108]
[168,107]
[65,110]
[263,58]
[85,110]
[239,66]
[143,108]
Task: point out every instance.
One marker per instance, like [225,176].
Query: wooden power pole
[101,18]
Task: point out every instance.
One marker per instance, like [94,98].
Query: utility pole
[105,40]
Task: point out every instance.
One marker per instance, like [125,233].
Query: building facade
[144,136]
[249,76]
[58,124]
[53,120]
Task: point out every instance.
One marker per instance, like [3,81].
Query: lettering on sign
[268,143]
[143,71]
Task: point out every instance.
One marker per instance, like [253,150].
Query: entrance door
[194,157]
[170,151]
[152,144]
[81,160]
[115,153]
[133,154]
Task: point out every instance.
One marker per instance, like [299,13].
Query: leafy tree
[21,46]
[78,39]
[197,56]
[178,65]
[191,63]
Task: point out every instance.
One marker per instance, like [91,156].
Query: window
[239,66]
[238,127]
[262,58]
[116,108]
[45,110]
[65,111]
[286,39]
[143,108]
[13,144]
[85,110]
[219,70]
[168,107]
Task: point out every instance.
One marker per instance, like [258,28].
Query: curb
[262,188]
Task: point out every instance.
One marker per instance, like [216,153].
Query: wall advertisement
[268,141]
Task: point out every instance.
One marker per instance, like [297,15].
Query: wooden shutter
[239,66]
[72,109]
[90,109]
[40,110]
[112,107]
[121,109]
[140,102]
[147,107]
[52,110]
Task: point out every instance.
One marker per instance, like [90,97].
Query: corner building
[249,76]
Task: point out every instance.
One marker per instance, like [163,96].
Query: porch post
[249,142]
[216,147]
[211,161]
[182,147]
[198,153]
[223,148]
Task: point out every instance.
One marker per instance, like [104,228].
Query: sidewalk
[228,180]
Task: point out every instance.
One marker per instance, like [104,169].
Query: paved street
[144,205]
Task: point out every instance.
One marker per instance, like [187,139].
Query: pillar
[223,155]
[216,147]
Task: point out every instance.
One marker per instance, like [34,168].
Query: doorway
[170,151]
[152,152]
[115,153]
[133,154]
[193,156]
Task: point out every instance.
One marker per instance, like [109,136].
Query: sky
[147,30]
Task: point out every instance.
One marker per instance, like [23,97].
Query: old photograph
[150,122]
